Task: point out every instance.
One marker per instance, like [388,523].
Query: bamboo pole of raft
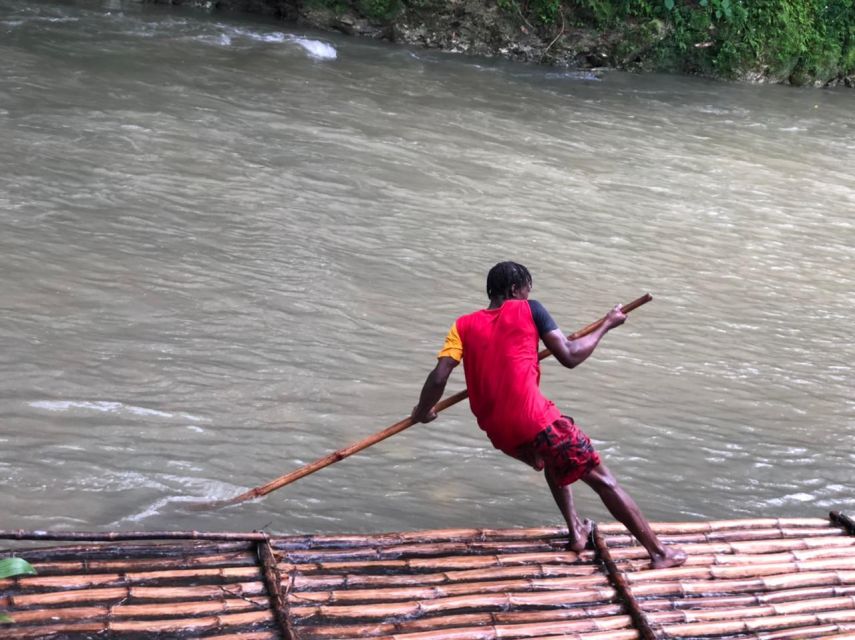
[431,592]
[618,581]
[497,632]
[727,536]
[758,624]
[451,622]
[772,583]
[113,536]
[556,536]
[442,563]
[273,581]
[100,552]
[839,631]
[91,580]
[414,550]
[447,577]
[389,431]
[416,608]
[29,616]
[445,553]
[741,571]
[716,561]
[789,608]
[126,565]
[753,599]
[470,558]
[235,589]
[542,534]
[366,545]
[771,539]
[173,625]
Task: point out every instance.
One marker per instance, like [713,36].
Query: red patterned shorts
[563,450]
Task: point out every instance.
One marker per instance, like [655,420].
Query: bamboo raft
[765,579]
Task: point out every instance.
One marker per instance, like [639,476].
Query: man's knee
[601,479]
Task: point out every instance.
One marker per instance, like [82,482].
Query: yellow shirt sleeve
[453,347]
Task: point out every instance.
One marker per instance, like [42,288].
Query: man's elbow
[572,358]
[438,378]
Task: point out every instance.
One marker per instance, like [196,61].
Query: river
[229,248]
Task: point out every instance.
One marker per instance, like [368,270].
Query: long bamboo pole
[540,533]
[838,631]
[503,601]
[312,555]
[114,536]
[389,431]
[441,563]
[122,550]
[235,589]
[758,624]
[430,592]
[349,580]
[407,559]
[815,594]
[744,613]
[545,534]
[334,631]
[91,580]
[62,567]
[499,632]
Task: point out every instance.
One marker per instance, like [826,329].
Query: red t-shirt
[499,352]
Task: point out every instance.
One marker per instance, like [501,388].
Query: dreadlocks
[504,276]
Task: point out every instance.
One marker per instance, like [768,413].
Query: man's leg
[623,507]
[578,531]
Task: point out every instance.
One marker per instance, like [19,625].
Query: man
[498,346]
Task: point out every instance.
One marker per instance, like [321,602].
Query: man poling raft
[506,348]
[498,348]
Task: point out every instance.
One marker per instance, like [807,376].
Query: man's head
[508,280]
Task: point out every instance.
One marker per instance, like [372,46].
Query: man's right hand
[616,317]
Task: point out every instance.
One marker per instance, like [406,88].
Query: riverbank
[793,42]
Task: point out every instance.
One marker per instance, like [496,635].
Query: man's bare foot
[579,537]
[674,557]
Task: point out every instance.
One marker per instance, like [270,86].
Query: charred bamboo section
[764,579]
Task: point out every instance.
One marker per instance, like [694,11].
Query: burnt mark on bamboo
[618,581]
[841,519]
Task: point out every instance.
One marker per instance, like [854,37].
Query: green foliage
[377,8]
[10,567]
[796,40]
[15,567]
[799,40]
[546,11]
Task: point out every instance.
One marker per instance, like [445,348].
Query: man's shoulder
[469,317]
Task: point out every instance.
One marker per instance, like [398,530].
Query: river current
[229,248]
